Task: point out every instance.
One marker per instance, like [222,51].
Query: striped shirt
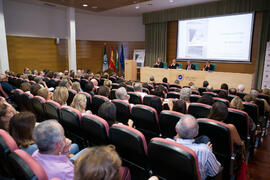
[208,164]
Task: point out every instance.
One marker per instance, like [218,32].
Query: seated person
[224,86]
[158,64]
[232,91]
[205,84]
[223,94]
[206,99]
[121,93]
[7,87]
[180,106]
[34,89]
[45,93]
[174,65]
[190,66]
[208,66]
[60,95]
[185,96]
[102,163]
[7,111]
[79,102]
[240,88]
[138,89]
[21,128]
[76,86]
[104,91]
[54,150]
[187,129]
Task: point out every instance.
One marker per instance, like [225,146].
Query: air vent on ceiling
[50,5]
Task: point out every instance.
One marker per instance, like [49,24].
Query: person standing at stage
[190,66]
[158,64]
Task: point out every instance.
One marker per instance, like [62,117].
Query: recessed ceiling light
[171,1]
[94,7]
[85,5]
[137,7]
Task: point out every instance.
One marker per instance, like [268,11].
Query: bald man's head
[187,127]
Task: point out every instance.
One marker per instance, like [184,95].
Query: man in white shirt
[138,89]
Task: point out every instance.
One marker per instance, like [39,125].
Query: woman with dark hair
[179,106]
[108,112]
[219,112]
[104,91]
[206,99]
[157,104]
[21,128]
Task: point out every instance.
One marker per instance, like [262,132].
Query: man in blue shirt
[187,128]
[5,85]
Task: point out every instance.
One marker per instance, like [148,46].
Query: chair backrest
[218,90]
[123,110]
[155,93]
[130,144]
[27,101]
[171,160]
[7,145]
[165,65]
[180,65]
[194,98]
[252,110]
[113,79]
[231,96]
[215,67]
[101,82]
[83,82]
[115,85]
[241,95]
[130,88]
[26,167]
[240,120]
[51,109]
[211,94]
[220,135]
[201,90]
[135,98]
[95,129]
[71,94]
[263,96]
[167,122]
[147,99]
[146,120]
[89,100]
[38,105]
[70,119]
[173,89]
[225,101]
[145,90]
[199,110]
[175,86]
[173,95]
[196,66]
[260,104]
[112,94]
[97,102]
[195,92]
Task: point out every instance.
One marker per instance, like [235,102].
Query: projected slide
[226,38]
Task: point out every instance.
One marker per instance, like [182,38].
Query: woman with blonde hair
[79,103]
[236,103]
[60,95]
[76,86]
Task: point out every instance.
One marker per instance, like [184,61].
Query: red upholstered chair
[51,109]
[130,144]
[18,99]
[71,94]
[147,99]
[194,98]
[27,102]
[171,160]
[174,86]
[146,120]
[123,110]
[113,79]
[167,122]
[218,90]
[83,82]
[135,98]
[95,129]
[97,102]
[7,145]
[115,85]
[211,93]
[25,167]
[195,92]
[172,94]
[241,121]
[174,89]
[38,105]
[220,135]
[112,94]
[231,96]
[201,90]
[263,96]
[70,120]
[199,110]
[241,95]
[130,88]
[225,101]
[145,90]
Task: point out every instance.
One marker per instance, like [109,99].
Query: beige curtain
[155,43]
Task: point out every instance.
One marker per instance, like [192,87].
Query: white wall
[23,19]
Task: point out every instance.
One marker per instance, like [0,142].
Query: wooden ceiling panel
[95,5]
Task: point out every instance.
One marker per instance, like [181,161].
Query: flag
[112,63]
[105,60]
[122,58]
[117,59]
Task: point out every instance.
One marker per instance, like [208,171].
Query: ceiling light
[84,5]
[137,7]
[171,1]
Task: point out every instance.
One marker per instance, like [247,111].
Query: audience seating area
[143,147]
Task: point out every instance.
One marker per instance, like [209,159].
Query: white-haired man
[138,89]
[187,129]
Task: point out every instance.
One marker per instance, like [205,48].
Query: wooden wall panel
[36,53]
[90,53]
[222,67]
[43,53]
